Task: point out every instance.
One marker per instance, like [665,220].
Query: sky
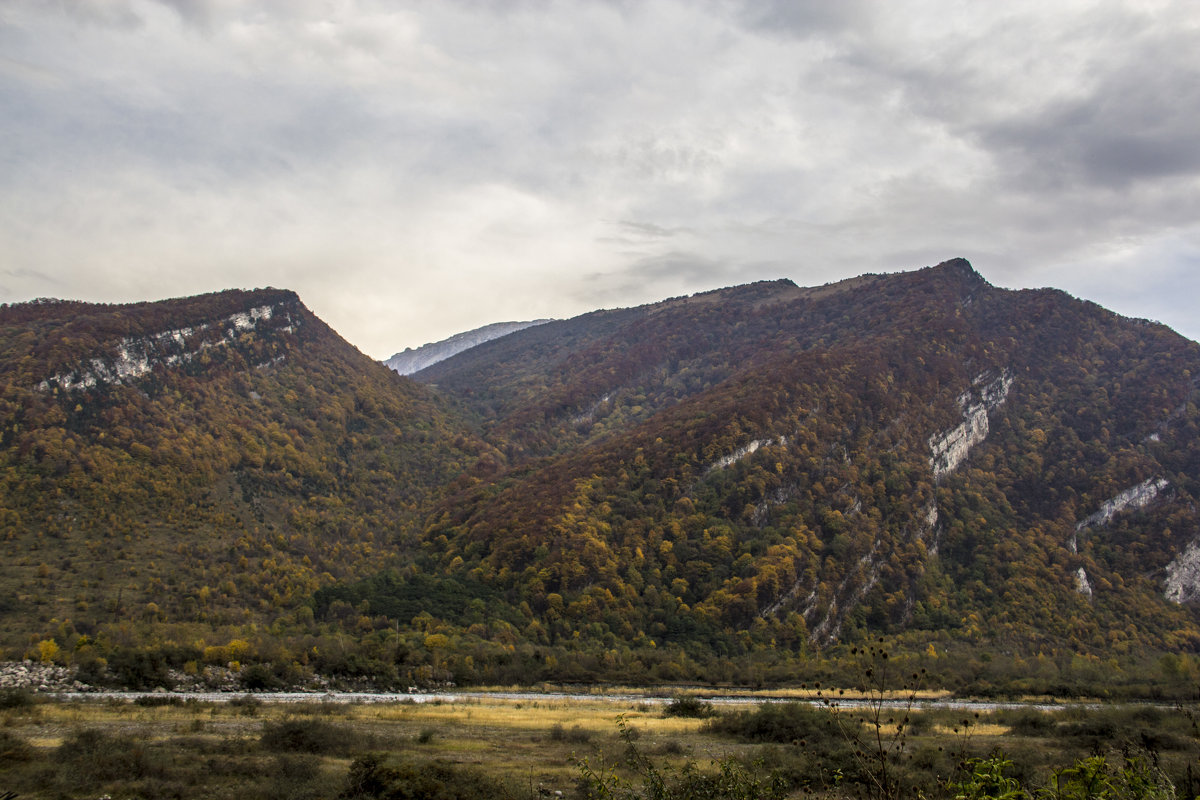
[417,169]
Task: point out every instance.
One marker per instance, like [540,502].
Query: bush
[260,678]
[248,704]
[688,707]
[88,756]
[307,736]
[140,669]
[732,779]
[15,698]
[292,777]
[368,777]
[986,779]
[576,735]
[782,723]
[1031,722]
[13,748]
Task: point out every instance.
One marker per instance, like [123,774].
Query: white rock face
[929,531]
[846,597]
[1134,497]
[1082,584]
[137,356]
[951,447]
[745,451]
[414,360]
[1182,584]
[590,414]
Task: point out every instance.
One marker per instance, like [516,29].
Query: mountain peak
[960,268]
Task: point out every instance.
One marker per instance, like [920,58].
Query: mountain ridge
[203,427]
[970,293]
[756,475]
[412,360]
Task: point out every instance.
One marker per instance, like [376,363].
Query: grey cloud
[649,278]
[113,13]
[200,13]
[1130,116]
[621,152]
[684,267]
[650,230]
[805,17]
[634,233]
[1135,126]
[30,275]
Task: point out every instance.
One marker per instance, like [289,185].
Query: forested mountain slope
[715,487]
[212,459]
[916,453]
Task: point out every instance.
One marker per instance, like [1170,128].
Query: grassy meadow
[167,747]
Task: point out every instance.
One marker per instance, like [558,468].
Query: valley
[504,745]
[734,488]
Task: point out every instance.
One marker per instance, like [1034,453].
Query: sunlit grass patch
[45,741]
[976,729]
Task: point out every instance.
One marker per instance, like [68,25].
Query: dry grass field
[167,747]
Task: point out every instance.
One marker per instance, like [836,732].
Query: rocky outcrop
[1082,584]
[1134,497]
[33,676]
[745,451]
[950,448]
[1138,496]
[134,357]
[39,678]
[1182,584]
[849,593]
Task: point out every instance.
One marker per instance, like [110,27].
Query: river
[616,698]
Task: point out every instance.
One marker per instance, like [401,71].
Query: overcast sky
[416,169]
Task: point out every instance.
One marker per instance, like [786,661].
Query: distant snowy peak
[415,360]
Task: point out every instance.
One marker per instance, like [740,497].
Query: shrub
[782,723]
[731,781]
[1031,722]
[13,748]
[369,777]
[307,736]
[15,698]
[88,756]
[986,778]
[140,669]
[248,704]
[292,777]
[576,735]
[687,706]
[260,678]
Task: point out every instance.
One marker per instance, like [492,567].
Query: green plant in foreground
[985,778]
[732,780]
[1091,778]
[879,749]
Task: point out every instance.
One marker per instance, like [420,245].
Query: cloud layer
[418,169]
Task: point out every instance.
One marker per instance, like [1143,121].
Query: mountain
[211,460]
[919,454]
[410,360]
[737,485]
